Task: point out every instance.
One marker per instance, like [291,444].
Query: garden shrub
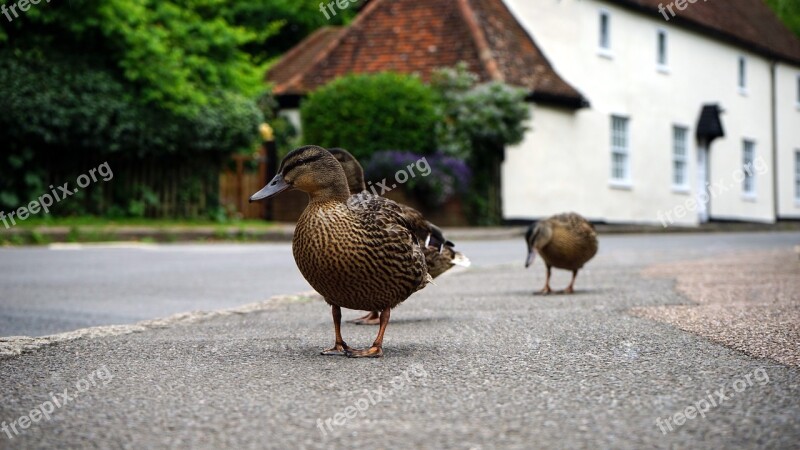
[372,112]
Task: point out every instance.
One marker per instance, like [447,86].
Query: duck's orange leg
[339,348]
[546,289]
[373,318]
[571,288]
[376,350]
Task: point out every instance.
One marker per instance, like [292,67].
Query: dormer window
[798,91]
[742,70]
[604,36]
[662,57]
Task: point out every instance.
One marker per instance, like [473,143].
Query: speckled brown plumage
[359,254]
[357,251]
[439,254]
[565,241]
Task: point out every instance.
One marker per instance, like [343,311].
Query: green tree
[141,78]
[789,12]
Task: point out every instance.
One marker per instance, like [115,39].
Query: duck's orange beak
[274,187]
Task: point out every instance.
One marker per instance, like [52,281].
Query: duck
[564,241]
[439,253]
[358,252]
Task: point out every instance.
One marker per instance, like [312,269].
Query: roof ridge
[485,53]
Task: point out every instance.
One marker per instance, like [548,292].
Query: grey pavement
[475,361]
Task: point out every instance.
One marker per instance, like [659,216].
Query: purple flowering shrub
[436,178]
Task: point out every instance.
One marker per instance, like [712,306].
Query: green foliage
[89,80]
[296,19]
[69,104]
[479,121]
[789,12]
[477,117]
[175,55]
[367,113]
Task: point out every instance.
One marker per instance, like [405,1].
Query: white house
[642,111]
[635,155]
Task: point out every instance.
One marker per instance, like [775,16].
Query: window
[798,90]
[797,175]
[742,75]
[662,50]
[605,33]
[680,156]
[620,171]
[748,160]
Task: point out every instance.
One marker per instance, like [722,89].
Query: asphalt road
[51,290]
[475,361]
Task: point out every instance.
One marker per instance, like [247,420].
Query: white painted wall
[564,162]
[788,138]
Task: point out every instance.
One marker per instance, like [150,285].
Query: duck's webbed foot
[376,351]
[372,352]
[339,349]
[571,288]
[546,289]
[372,318]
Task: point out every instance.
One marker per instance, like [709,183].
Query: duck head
[352,169]
[537,234]
[311,169]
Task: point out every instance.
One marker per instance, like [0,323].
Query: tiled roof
[746,23]
[416,36]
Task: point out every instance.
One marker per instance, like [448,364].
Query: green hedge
[368,113]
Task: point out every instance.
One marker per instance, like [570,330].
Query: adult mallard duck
[439,254]
[565,241]
[357,251]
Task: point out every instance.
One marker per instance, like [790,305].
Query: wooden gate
[243,177]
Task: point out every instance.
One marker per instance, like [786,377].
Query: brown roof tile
[747,23]
[413,36]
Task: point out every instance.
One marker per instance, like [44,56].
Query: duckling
[439,254]
[565,241]
[357,251]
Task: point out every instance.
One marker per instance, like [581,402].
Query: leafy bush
[368,113]
[477,117]
[61,114]
[447,177]
[479,121]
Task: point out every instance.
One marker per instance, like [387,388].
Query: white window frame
[749,180]
[797,177]
[662,66]
[741,74]
[683,187]
[620,144]
[604,46]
